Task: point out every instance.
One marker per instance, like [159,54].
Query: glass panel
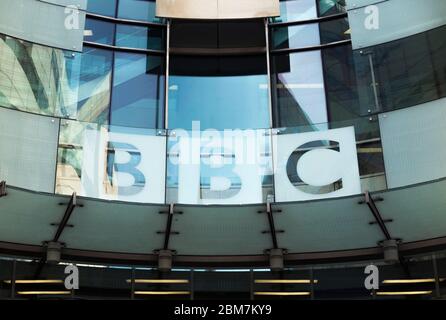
[296,10]
[298,89]
[138,91]
[102,7]
[316,165]
[299,36]
[27,216]
[413,141]
[417,212]
[414,17]
[28,146]
[27,78]
[92,75]
[338,224]
[220,231]
[138,10]
[116,227]
[53,82]
[110,162]
[307,35]
[139,37]
[334,30]
[99,31]
[407,72]
[331,7]
[216,167]
[218,92]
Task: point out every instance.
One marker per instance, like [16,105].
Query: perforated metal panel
[28,149]
[117,227]
[26,217]
[225,230]
[418,212]
[326,225]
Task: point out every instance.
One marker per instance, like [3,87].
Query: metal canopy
[327,225]
[342,227]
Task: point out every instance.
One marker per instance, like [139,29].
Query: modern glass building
[206,149]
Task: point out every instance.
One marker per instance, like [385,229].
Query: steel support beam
[2,189]
[272,229]
[379,220]
[168,230]
[63,223]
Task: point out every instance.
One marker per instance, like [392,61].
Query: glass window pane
[296,36]
[91,74]
[99,31]
[299,95]
[220,92]
[130,36]
[102,7]
[137,10]
[312,34]
[331,7]
[408,72]
[138,90]
[296,10]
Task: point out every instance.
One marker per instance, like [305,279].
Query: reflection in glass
[54,82]
[93,78]
[330,7]
[230,167]
[307,35]
[99,31]
[296,10]
[130,36]
[219,92]
[299,36]
[408,72]
[138,90]
[137,10]
[102,7]
[298,89]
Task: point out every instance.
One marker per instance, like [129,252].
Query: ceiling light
[43,292]
[405,281]
[285,281]
[35,281]
[162,292]
[158,281]
[265,293]
[402,293]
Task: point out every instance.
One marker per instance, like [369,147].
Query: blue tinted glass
[137,10]
[296,10]
[103,7]
[220,93]
[93,84]
[139,37]
[296,36]
[99,31]
[299,95]
[138,91]
[330,7]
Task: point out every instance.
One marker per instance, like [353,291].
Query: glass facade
[222,139]
[222,76]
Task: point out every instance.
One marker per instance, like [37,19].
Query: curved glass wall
[298,10]
[218,75]
[402,73]
[141,10]
[219,79]
[124,35]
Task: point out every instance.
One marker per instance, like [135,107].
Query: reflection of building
[105,111]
